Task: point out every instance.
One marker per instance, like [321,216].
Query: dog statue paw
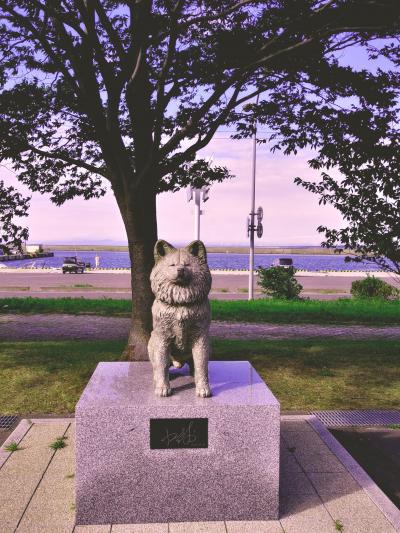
[203,391]
[163,391]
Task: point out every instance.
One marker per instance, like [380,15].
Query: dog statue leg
[159,354]
[200,350]
[190,363]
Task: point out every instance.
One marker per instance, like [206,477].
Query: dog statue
[180,281]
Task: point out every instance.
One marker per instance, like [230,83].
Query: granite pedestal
[120,478]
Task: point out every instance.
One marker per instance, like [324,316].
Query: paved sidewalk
[37,488]
[80,327]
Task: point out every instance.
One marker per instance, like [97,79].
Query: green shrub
[372,287]
[279,282]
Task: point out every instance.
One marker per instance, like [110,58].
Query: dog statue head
[180,275]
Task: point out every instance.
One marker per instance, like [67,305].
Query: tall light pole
[251,227]
[198,195]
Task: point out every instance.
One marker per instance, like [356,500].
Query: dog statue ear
[161,249]
[198,249]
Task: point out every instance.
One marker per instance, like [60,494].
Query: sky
[291,214]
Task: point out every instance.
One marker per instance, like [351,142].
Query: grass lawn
[344,311]
[323,373]
[48,377]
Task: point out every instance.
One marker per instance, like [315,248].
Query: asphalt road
[47,284]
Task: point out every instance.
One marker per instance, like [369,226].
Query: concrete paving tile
[139,528]
[304,440]
[270,526]
[296,425]
[329,484]
[92,529]
[319,461]
[22,472]
[358,513]
[52,506]
[49,510]
[295,483]
[197,527]
[305,514]
[288,462]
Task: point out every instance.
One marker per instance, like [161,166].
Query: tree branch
[223,14]
[87,12]
[202,142]
[47,47]
[162,101]
[258,91]
[108,127]
[85,73]
[69,160]
[324,6]
[261,62]
[198,114]
[85,85]
[112,34]
[139,88]
[64,17]
[323,22]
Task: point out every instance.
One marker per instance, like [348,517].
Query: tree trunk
[139,215]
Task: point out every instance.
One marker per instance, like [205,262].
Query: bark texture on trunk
[139,215]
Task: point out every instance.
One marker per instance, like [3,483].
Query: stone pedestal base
[123,474]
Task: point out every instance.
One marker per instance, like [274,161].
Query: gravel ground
[79,327]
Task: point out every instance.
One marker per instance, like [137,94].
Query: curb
[16,436]
[386,506]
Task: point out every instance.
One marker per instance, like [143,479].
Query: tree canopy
[369,201]
[12,205]
[128,91]
[108,89]
[362,142]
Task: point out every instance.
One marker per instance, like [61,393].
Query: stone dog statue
[180,281]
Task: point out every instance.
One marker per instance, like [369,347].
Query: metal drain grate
[357,418]
[7,421]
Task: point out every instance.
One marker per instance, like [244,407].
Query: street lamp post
[198,195]
[251,227]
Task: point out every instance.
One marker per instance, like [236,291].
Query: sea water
[226,261]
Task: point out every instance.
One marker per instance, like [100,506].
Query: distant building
[34,248]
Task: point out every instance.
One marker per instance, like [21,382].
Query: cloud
[291,214]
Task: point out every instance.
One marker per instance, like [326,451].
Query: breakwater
[269,250]
[22,257]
